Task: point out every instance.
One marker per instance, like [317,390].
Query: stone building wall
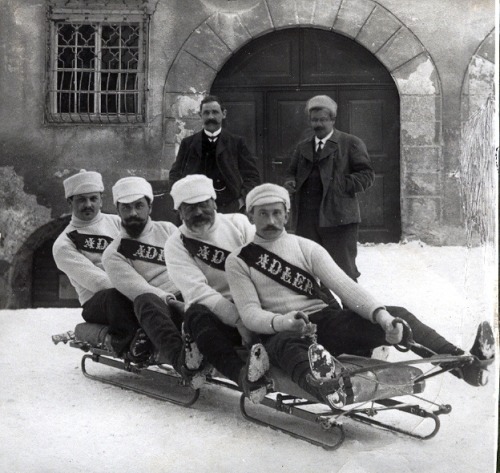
[440,54]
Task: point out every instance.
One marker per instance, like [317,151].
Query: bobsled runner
[366,390]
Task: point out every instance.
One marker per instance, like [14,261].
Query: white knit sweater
[133,277]
[259,298]
[84,268]
[198,282]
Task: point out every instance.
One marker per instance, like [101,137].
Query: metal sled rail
[143,372]
[330,434]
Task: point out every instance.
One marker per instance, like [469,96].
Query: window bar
[97,71]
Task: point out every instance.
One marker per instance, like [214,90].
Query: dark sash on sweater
[90,243]
[281,271]
[209,254]
[136,250]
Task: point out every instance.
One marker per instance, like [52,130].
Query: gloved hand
[294,321]
[393,334]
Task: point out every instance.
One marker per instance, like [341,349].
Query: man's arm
[175,172]
[361,175]
[247,166]
[291,172]
[193,284]
[123,275]
[78,267]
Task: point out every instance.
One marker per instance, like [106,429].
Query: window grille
[97,67]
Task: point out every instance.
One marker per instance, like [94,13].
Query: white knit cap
[130,189]
[84,182]
[192,189]
[322,101]
[267,194]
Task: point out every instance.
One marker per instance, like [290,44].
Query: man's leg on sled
[111,308]
[162,324]
[343,331]
[217,342]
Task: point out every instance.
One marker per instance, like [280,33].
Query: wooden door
[266,85]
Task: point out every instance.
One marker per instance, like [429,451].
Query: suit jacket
[345,169]
[236,164]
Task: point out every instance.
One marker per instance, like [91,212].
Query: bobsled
[371,391]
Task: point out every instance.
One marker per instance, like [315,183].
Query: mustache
[270,227]
[211,121]
[133,220]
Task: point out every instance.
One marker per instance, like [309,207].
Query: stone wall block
[257,20]
[418,108]
[424,159]
[487,48]
[352,16]
[417,77]
[481,72]
[205,45]
[189,74]
[230,29]
[400,48]
[420,133]
[169,152]
[422,215]
[418,184]
[283,13]
[325,12]
[377,30]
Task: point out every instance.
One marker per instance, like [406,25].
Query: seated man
[274,281]
[195,257]
[78,252]
[135,264]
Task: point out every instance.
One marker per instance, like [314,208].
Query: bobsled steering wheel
[407,341]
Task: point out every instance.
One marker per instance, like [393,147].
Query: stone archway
[368,23]
[21,272]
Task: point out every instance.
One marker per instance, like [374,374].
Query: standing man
[275,284]
[78,253]
[219,155]
[195,257]
[325,174]
[135,264]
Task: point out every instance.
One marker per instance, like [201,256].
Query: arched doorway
[265,86]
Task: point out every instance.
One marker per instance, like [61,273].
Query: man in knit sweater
[135,264]
[78,252]
[274,282]
[195,257]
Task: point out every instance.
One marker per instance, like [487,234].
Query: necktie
[320,146]
[212,140]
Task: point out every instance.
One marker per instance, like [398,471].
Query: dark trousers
[162,326]
[344,331]
[341,241]
[110,307]
[215,340]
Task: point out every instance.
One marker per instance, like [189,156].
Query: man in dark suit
[219,155]
[325,174]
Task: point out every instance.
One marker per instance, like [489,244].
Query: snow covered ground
[53,419]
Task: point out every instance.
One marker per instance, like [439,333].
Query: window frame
[98,18]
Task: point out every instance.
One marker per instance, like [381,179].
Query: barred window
[97,71]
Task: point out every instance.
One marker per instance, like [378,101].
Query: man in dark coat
[219,155]
[325,174]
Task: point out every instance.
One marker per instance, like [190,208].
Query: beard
[134,227]
[200,223]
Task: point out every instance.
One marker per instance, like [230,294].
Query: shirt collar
[324,140]
[214,134]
